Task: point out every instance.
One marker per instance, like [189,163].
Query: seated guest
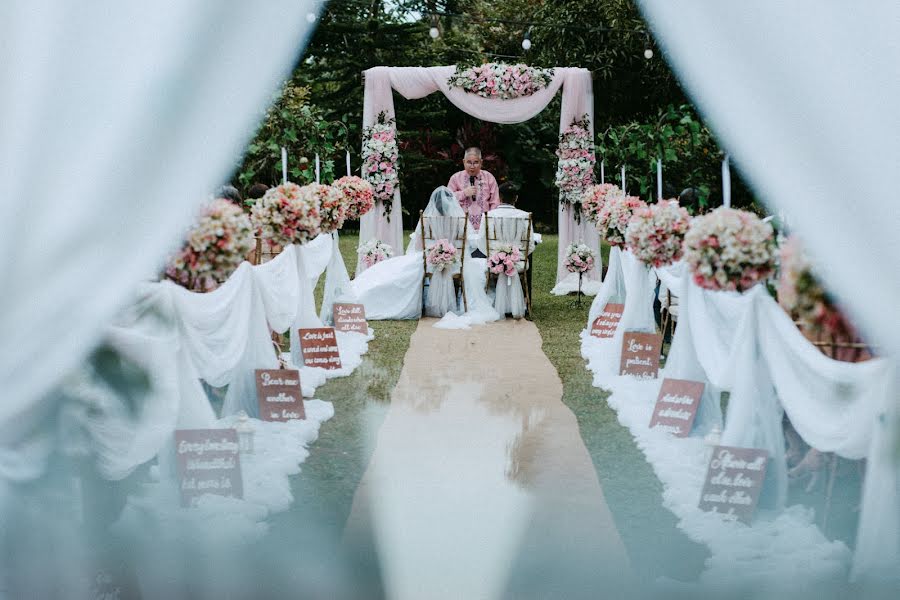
[257,191]
[230,193]
[509,196]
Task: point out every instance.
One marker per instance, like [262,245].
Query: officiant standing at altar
[475,188]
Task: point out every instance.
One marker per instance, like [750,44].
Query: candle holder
[245,433]
[712,439]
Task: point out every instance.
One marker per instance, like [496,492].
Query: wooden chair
[426,227]
[525,244]
[669,314]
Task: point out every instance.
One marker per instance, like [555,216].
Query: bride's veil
[442,203]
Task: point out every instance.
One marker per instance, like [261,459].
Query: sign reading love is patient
[640,354]
[676,406]
[733,482]
[279,394]
[350,317]
[319,348]
[209,462]
[604,326]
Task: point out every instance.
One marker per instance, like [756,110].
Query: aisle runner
[479,468]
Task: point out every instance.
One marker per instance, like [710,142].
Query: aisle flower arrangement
[332,207]
[575,170]
[216,245]
[499,80]
[801,294]
[287,214]
[374,251]
[579,258]
[594,197]
[441,255]
[506,260]
[359,195]
[730,250]
[614,216]
[655,234]
[380,153]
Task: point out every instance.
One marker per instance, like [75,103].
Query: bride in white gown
[392,289]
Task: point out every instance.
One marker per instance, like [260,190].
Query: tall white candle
[623,179]
[602,173]
[348,163]
[318,179]
[283,164]
[726,181]
[659,179]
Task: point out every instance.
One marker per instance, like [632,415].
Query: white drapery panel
[337,283]
[116,119]
[510,297]
[613,287]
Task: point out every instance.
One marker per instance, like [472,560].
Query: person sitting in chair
[509,196]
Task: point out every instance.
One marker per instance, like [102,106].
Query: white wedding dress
[392,289]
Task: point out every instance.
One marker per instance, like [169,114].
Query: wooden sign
[676,406]
[733,482]
[350,317]
[279,394]
[319,348]
[209,462]
[604,326]
[640,354]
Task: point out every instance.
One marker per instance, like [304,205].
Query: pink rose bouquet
[575,169]
[359,195]
[216,245]
[380,153]
[655,233]
[729,249]
[506,260]
[579,258]
[498,80]
[614,216]
[441,255]
[594,197]
[374,251]
[288,214]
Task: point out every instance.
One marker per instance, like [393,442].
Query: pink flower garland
[575,170]
[498,80]
[380,154]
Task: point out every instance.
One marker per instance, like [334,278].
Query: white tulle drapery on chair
[503,232]
[441,295]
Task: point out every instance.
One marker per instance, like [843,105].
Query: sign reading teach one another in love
[733,482]
[319,348]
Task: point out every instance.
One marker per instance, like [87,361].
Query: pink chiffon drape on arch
[418,82]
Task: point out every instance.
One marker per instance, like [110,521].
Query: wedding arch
[385,221]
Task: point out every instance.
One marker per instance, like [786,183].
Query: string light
[434,32]
[526,43]
[310,17]
[648,53]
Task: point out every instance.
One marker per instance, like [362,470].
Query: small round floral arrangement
[380,153]
[441,255]
[575,169]
[614,216]
[594,197]
[499,80]
[288,214]
[506,260]
[216,245]
[655,234]
[332,207]
[359,195]
[579,258]
[729,249]
[374,251]
[802,296]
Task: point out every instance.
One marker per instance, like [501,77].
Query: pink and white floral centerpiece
[287,214]
[729,249]
[332,207]
[655,234]
[506,260]
[499,80]
[579,258]
[594,197]
[614,216]
[374,251]
[575,170]
[380,154]
[359,195]
[216,245]
[441,255]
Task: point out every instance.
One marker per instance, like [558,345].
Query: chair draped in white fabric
[510,295]
[441,297]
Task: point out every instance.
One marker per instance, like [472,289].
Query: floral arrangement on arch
[579,258]
[506,260]
[575,170]
[216,245]
[614,216]
[594,197]
[374,251]
[802,296]
[500,80]
[380,154]
[655,234]
[359,195]
[729,249]
[288,214]
[441,255]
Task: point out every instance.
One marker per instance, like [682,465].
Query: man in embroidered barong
[475,188]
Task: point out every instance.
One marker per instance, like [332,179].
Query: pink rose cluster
[216,244]
[332,207]
[579,258]
[614,216]
[655,234]
[380,153]
[359,196]
[374,251]
[729,250]
[442,254]
[594,197]
[505,260]
[499,80]
[575,169]
[288,214]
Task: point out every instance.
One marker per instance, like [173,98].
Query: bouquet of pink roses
[614,216]
[729,249]
[359,195]
[374,251]
[505,260]
[594,197]
[579,258]
[655,234]
[332,207]
[442,254]
[288,214]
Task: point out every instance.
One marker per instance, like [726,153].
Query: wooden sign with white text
[279,394]
[734,480]
[350,317]
[319,348]
[209,462]
[640,354]
[676,406]
[604,326]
